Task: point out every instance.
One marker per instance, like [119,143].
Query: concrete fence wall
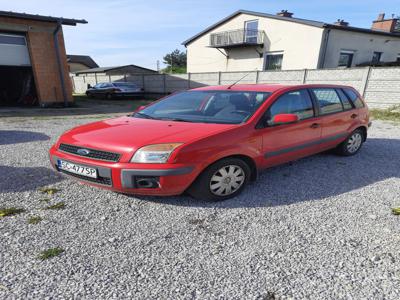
[379,86]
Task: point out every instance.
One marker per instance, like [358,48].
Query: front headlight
[158,153]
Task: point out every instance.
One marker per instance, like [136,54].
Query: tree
[175,61]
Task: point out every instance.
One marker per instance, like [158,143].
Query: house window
[12,40]
[376,57]
[273,61]
[345,59]
[251,31]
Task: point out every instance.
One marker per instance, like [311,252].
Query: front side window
[224,107]
[328,100]
[345,59]
[354,97]
[273,61]
[376,57]
[295,102]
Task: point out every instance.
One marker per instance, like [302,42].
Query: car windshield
[124,84]
[224,107]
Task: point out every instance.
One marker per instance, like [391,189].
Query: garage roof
[64,21]
[82,59]
[291,19]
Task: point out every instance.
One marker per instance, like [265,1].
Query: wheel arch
[364,130]
[247,159]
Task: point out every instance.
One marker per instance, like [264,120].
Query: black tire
[109,97]
[201,187]
[89,95]
[346,148]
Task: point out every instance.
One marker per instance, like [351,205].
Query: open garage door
[17,85]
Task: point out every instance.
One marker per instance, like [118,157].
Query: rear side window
[296,102]
[328,100]
[354,97]
[345,101]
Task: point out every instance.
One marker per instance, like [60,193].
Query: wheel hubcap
[354,142]
[227,180]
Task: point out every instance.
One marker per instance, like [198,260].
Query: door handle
[353,116]
[315,125]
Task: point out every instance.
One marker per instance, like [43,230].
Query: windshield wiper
[176,119]
[143,115]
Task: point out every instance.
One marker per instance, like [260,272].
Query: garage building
[33,61]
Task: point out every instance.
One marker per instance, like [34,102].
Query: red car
[212,141]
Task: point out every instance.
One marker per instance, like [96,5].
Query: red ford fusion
[212,141]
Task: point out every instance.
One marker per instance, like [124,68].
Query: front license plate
[77,169]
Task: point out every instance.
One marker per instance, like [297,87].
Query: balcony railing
[237,38]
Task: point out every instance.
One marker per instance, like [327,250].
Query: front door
[282,143]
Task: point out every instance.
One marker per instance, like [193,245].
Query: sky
[141,32]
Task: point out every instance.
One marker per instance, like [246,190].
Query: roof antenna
[247,74]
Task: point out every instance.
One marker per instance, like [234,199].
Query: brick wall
[41,47]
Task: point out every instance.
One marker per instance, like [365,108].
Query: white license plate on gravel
[77,169]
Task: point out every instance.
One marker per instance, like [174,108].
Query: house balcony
[237,38]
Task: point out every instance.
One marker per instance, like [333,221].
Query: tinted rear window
[354,97]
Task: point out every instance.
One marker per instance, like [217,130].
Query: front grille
[95,154]
[99,180]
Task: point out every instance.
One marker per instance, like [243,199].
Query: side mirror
[89,86]
[140,108]
[285,119]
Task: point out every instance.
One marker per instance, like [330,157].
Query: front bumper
[172,179]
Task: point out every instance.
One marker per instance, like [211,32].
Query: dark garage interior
[17,86]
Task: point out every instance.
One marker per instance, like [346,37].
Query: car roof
[265,87]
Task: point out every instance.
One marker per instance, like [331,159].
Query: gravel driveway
[318,228]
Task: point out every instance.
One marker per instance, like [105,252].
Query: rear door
[287,142]
[337,114]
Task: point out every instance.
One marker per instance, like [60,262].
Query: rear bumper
[172,179]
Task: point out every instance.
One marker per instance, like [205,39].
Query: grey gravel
[317,228]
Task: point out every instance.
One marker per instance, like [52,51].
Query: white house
[248,40]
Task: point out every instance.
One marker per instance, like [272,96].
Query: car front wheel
[352,144]
[222,180]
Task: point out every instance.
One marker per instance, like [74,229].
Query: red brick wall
[41,46]
[385,25]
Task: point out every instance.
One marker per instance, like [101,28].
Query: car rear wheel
[352,144]
[109,96]
[222,180]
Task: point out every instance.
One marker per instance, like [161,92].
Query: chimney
[340,22]
[382,24]
[284,13]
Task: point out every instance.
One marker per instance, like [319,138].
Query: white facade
[303,45]
[362,45]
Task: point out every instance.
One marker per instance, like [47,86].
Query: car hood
[127,134]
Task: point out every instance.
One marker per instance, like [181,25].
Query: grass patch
[396,211]
[5,212]
[49,253]
[49,191]
[389,114]
[59,205]
[34,220]
[46,200]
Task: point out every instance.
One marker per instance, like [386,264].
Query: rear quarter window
[354,97]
